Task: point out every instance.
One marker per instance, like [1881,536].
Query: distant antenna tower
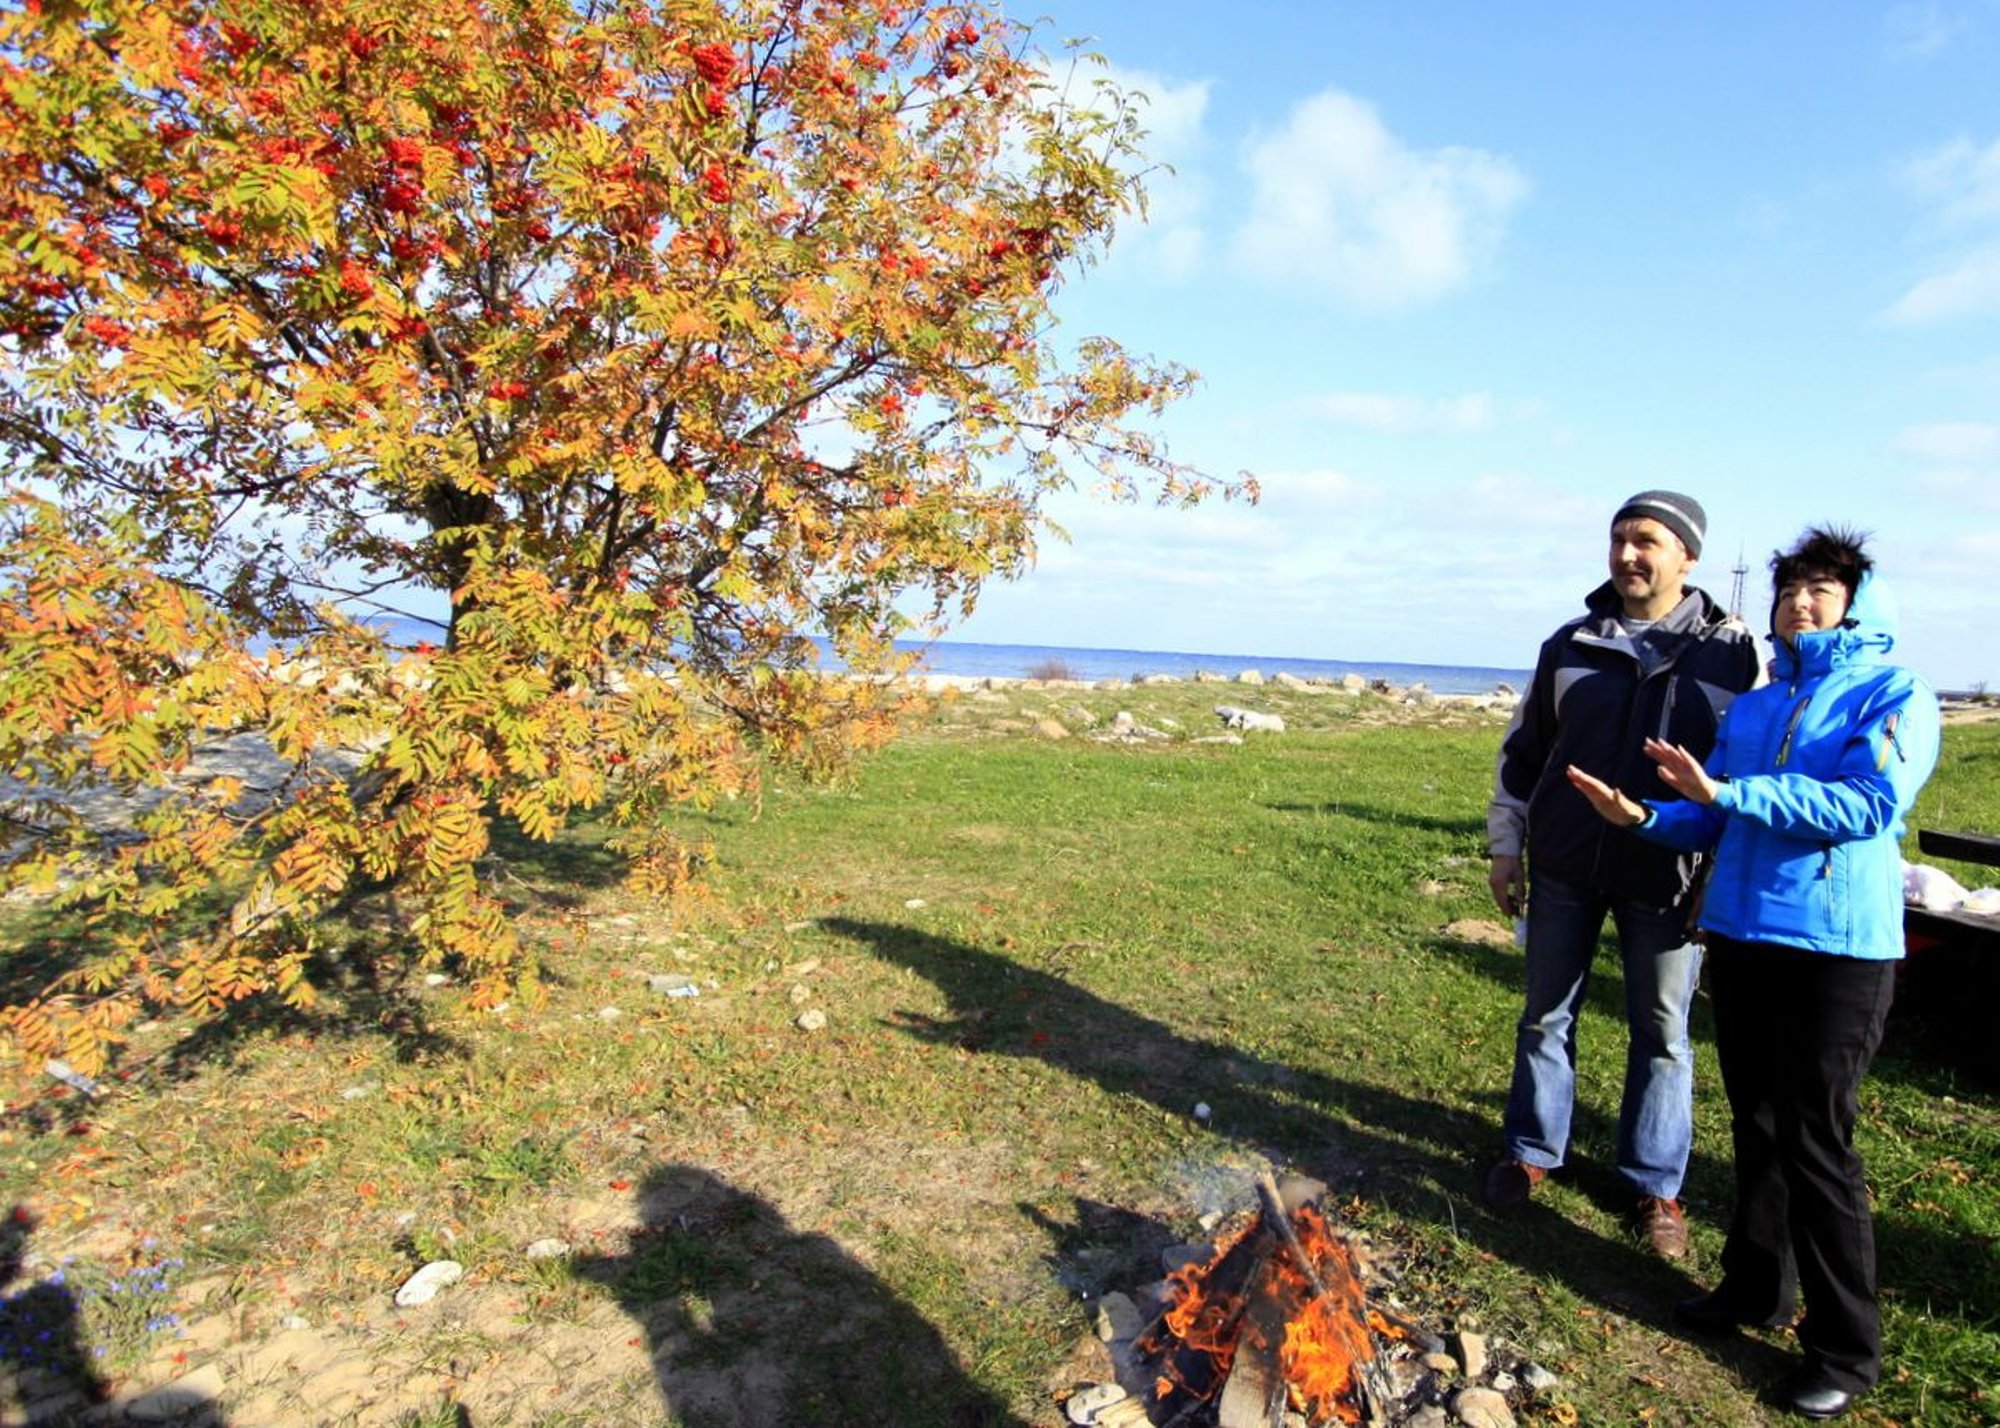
[1736,574]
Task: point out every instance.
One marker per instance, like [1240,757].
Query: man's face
[1649,566]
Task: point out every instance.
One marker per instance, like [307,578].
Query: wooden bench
[1952,976]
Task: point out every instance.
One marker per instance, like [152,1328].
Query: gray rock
[1175,1257]
[1092,1399]
[423,1286]
[1470,1351]
[1482,1408]
[1249,720]
[1117,1318]
[75,1080]
[178,1399]
[1129,730]
[549,1248]
[811,1019]
[1537,1378]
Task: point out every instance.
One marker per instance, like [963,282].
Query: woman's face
[1812,602]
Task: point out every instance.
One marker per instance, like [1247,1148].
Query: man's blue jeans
[1656,1116]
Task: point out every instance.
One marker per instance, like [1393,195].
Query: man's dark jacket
[1590,704]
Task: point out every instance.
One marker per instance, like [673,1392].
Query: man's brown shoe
[1509,1184]
[1664,1229]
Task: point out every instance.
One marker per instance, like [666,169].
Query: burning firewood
[1276,1318]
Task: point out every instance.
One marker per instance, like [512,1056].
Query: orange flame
[1328,1336]
[1201,1319]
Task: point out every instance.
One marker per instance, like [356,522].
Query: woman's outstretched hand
[1612,805]
[1681,771]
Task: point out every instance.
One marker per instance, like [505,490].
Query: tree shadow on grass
[752,1322]
[363,964]
[392,1010]
[1469,827]
[556,873]
[1419,1157]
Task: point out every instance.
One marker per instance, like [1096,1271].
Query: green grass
[1036,956]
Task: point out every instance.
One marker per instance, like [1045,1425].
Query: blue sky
[1460,277]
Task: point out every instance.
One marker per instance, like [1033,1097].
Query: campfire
[1275,1326]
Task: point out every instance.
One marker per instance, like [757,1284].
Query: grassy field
[1035,957]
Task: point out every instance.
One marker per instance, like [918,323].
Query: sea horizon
[972,659]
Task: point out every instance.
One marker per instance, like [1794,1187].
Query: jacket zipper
[1791,728]
[1889,742]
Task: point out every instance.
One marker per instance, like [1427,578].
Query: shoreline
[1349,686]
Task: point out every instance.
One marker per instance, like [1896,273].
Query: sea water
[972,660]
[1019,661]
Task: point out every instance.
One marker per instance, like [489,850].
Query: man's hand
[1509,884]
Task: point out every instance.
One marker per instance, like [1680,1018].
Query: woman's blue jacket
[1816,770]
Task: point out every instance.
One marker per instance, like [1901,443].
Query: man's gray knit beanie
[1680,514]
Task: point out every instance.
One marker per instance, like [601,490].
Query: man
[1651,657]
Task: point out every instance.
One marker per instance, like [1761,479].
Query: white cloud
[1970,288]
[1963,179]
[1952,441]
[1340,204]
[1402,415]
[1966,489]
[1959,466]
[1946,615]
[1472,571]
[1168,240]
[1317,491]
[1960,182]
[1923,29]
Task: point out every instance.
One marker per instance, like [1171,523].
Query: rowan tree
[647,339]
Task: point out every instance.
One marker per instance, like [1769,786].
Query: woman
[1802,800]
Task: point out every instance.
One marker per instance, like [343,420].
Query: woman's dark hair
[1823,550]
